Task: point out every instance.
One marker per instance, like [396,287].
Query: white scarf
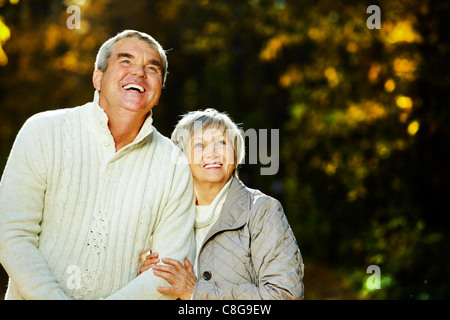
[206,216]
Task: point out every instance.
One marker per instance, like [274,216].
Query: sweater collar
[100,119]
[211,212]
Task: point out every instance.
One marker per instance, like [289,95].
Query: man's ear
[97,79]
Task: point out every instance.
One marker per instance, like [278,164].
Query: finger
[153,255]
[167,290]
[150,262]
[174,263]
[165,268]
[169,277]
[187,264]
[142,269]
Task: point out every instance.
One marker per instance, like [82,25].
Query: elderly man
[87,190]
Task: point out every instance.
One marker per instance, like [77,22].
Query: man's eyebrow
[130,56]
[156,63]
[124,55]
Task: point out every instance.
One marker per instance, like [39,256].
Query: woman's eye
[198,145]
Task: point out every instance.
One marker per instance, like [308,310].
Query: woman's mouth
[212,165]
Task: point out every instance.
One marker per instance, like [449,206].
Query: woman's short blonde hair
[209,118]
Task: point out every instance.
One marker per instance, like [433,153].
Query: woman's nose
[210,151]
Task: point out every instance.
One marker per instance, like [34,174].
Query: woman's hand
[182,278]
[150,261]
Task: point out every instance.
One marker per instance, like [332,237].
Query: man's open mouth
[135,87]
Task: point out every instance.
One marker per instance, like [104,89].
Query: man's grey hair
[209,118]
[105,51]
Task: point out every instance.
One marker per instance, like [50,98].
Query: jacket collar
[235,209]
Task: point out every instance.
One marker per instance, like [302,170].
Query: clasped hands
[182,278]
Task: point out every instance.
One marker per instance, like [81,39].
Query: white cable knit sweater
[75,215]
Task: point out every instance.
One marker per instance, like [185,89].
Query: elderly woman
[245,246]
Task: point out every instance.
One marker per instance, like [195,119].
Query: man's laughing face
[133,79]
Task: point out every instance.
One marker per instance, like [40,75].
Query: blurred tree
[355,136]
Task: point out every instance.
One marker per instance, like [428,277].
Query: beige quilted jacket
[250,252]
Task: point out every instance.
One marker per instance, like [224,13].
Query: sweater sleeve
[275,256]
[173,236]
[22,192]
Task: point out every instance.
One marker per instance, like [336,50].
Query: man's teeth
[134,86]
[213,165]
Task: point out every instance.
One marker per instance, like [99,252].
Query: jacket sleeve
[22,191]
[173,237]
[275,256]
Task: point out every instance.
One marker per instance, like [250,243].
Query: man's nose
[138,71]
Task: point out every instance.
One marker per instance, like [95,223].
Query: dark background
[363,114]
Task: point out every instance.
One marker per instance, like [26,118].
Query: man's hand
[150,261]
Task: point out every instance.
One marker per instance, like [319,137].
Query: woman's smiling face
[211,156]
